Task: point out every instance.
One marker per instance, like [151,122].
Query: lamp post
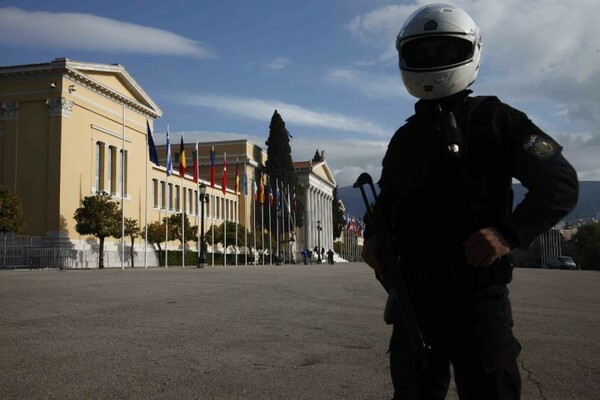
[319,229]
[203,199]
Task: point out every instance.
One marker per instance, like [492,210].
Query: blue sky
[218,69]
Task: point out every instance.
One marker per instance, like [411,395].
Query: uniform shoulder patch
[539,147]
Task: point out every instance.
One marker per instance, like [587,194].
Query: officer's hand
[485,246]
[369,254]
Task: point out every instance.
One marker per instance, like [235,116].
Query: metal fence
[30,252]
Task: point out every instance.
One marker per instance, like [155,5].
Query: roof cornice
[75,70]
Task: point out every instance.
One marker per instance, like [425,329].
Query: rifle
[392,279]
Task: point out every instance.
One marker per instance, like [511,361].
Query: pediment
[113,78]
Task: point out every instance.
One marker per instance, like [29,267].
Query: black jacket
[435,199]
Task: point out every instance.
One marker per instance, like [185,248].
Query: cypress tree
[279,165]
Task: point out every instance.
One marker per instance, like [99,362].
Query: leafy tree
[156,233]
[99,216]
[11,213]
[241,234]
[337,214]
[132,231]
[175,231]
[279,166]
[587,245]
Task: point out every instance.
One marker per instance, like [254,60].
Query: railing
[30,252]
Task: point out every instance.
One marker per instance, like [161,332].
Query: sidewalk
[257,332]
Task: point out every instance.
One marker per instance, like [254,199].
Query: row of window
[107,174]
[177,199]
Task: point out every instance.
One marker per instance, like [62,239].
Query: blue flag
[151,146]
[169,158]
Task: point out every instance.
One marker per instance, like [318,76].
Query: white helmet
[439,49]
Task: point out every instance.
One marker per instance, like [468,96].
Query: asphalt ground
[258,332]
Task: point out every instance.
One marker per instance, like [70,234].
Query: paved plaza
[257,332]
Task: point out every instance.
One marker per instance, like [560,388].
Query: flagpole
[168,202]
[262,230]
[277,220]
[246,215]
[237,205]
[212,185]
[270,229]
[254,197]
[213,229]
[182,166]
[153,156]
[146,202]
[293,210]
[123,190]
[224,190]
[235,217]
[197,180]
[290,227]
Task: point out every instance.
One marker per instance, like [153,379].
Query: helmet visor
[435,52]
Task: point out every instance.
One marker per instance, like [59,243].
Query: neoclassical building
[70,129]
[315,177]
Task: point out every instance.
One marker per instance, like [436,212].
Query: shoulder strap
[458,164]
[473,103]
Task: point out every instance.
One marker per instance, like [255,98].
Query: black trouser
[473,333]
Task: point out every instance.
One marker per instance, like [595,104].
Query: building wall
[62,131]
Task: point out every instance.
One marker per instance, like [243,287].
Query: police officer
[446,192]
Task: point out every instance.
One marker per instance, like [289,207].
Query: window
[195,202]
[155,194]
[112,170]
[163,195]
[99,178]
[124,170]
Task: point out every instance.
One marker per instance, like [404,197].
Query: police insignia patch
[539,147]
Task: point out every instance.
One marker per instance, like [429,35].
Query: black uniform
[440,185]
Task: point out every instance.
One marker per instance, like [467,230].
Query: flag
[151,146]
[261,189]
[245,181]
[294,203]
[288,200]
[255,190]
[169,159]
[270,190]
[236,187]
[195,157]
[277,195]
[224,177]
[212,167]
[181,158]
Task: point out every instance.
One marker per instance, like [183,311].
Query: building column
[330,219]
[307,218]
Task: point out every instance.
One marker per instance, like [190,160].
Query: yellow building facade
[71,129]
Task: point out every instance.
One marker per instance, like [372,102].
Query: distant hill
[587,207]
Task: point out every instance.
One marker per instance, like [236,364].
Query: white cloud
[376,86]
[581,149]
[540,51]
[277,64]
[346,158]
[380,27]
[72,31]
[262,110]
